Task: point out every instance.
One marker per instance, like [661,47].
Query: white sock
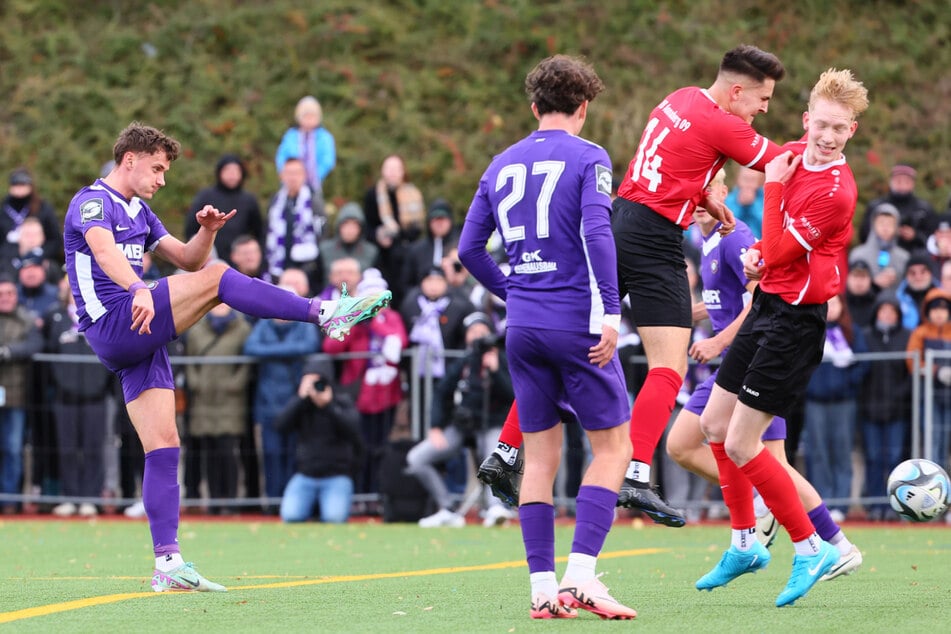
[759,505]
[638,471]
[507,453]
[808,546]
[169,562]
[580,567]
[544,583]
[327,308]
[743,538]
[840,541]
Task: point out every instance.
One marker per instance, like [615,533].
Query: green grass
[399,578]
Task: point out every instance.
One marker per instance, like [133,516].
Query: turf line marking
[53,608]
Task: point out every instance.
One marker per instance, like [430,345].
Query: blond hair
[719,178]
[840,86]
[307,105]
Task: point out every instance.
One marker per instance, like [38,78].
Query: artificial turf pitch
[93,576]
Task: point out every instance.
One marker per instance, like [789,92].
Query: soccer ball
[918,490]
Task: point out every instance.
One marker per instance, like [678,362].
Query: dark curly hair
[139,138]
[561,83]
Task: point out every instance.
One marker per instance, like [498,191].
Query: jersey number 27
[517,174]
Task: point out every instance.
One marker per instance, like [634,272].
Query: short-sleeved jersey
[688,138]
[135,228]
[818,205]
[549,197]
[721,269]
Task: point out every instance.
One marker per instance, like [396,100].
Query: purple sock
[160,497]
[593,518]
[260,299]
[538,533]
[822,520]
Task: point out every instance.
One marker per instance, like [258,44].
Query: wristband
[137,286]
[614,321]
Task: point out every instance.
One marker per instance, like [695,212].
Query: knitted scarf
[410,208]
[427,333]
[307,230]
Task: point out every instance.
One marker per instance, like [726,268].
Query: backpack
[404,498]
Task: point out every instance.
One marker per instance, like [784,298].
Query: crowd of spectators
[313,431]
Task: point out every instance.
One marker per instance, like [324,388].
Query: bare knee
[676,450]
[713,427]
[214,270]
[618,451]
[739,450]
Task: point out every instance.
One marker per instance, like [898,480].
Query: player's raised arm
[192,255]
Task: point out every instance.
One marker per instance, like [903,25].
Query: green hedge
[438,82]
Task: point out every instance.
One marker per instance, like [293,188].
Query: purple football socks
[160,497]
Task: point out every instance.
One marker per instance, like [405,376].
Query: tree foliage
[440,83]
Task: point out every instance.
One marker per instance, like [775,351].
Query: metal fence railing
[40,450]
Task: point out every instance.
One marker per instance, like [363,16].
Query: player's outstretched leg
[734,563]
[337,320]
[260,299]
[806,571]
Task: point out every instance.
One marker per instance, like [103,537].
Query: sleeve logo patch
[91,210]
[604,179]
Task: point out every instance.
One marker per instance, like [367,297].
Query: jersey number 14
[647,163]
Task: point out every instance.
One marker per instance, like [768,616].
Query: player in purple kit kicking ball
[108,228]
[549,197]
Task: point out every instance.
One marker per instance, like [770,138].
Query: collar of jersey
[132,207]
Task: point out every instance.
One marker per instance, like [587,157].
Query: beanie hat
[351,211]
[372,282]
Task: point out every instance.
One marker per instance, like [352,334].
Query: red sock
[778,491]
[651,411]
[511,434]
[737,489]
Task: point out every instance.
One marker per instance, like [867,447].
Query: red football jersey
[687,140]
[818,205]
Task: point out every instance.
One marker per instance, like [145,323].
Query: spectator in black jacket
[21,202]
[79,408]
[917,216]
[884,401]
[226,194]
[429,251]
[329,447]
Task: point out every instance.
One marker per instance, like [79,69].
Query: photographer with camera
[329,447]
[469,404]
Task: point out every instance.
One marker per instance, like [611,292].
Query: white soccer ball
[918,490]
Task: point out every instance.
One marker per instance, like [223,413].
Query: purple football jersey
[721,269]
[135,228]
[549,197]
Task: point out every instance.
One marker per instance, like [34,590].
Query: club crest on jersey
[604,179]
[91,210]
[714,266]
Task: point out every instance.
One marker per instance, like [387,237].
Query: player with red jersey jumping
[807,225]
[688,138]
